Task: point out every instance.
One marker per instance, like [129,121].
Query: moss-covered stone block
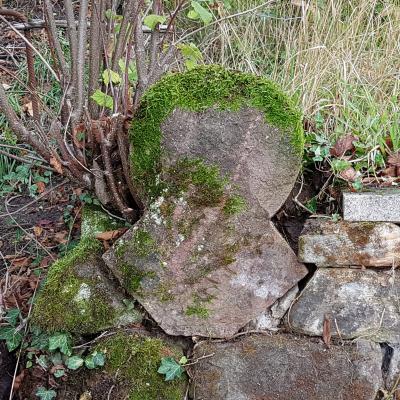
[136,359]
[215,153]
[77,295]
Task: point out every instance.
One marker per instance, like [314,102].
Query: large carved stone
[215,154]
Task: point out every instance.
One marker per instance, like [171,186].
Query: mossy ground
[196,90]
[137,359]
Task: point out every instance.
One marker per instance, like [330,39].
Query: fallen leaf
[5,86]
[394,159]
[326,331]
[38,230]
[390,171]
[41,187]
[56,165]
[61,237]
[349,174]
[342,145]
[110,235]
[28,108]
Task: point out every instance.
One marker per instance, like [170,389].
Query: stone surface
[372,205]
[216,153]
[359,304]
[80,294]
[392,369]
[281,367]
[272,317]
[211,281]
[259,160]
[369,244]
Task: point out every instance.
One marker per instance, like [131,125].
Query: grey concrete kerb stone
[372,205]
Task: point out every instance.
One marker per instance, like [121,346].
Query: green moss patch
[72,300]
[69,302]
[136,360]
[196,90]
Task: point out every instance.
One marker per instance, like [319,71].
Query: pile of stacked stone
[215,155]
[351,303]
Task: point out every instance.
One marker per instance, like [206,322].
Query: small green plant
[45,394]
[11,332]
[171,368]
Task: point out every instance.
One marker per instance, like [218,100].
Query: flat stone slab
[358,303]
[201,273]
[282,367]
[370,244]
[372,205]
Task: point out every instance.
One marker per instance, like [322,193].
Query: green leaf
[110,75]
[204,14]
[45,394]
[339,165]
[153,20]
[102,99]
[56,358]
[132,72]
[59,373]
[12,316]
[29,364]
[60,341]
[193,15]
[96,359]
[75,362]
[170,368]
[43,361]
[183,360]
[191,54]
[12,337]
[312,205]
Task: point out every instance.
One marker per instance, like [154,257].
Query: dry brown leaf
[38,230]
[394,159]
[41,187]
[343,145]
[61,237]
[110,235]
[56,165]
[326,331]
[349,174]
[28,108]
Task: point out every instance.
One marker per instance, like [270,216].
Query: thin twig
[32,47]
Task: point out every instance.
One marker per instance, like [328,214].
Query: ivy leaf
[203,13]
[170,368]
[42,361]
[12,316]
[12,337]
[59,373]
[110,75]
[45,394]
[60,341]
[153,20]
[75,362]
[102,99]
[96,359]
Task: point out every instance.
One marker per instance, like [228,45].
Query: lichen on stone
[135,361]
